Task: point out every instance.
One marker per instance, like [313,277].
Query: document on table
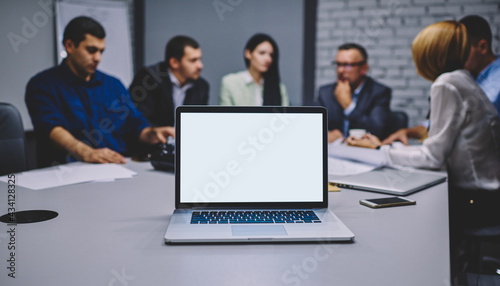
[342,167]
[346,160]
[359,154]
[74,173]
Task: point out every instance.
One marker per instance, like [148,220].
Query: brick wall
[386,28]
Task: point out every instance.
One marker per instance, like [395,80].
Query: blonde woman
[464,131]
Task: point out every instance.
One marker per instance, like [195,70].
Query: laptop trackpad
[258,230]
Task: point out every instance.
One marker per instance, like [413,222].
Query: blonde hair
[439,48]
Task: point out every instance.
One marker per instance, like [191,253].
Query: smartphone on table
[387,202]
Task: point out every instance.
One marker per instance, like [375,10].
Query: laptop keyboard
[239,217]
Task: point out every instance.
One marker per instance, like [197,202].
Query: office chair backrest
[397,120]
[12,143]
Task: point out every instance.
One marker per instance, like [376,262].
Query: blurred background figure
[355,101]
[260,83]
[158,89]
[463,132]
[483,65]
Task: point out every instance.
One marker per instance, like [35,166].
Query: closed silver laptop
[389,181]
[252,174]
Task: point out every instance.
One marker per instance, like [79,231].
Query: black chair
[479,260]
[12,142]
[476,257]
[397,120]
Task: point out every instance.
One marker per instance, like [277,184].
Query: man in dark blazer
[355,101]
[158,89]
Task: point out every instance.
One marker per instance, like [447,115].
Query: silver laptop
[252,174]
[389,181]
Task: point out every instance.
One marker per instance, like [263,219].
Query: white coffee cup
[357,133]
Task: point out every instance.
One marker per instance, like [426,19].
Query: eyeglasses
[347,66]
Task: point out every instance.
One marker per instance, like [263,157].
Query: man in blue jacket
[355,101]
[80,113]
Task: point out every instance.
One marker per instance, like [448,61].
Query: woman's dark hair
[272,94]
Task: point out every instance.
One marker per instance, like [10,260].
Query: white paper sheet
[70,174]
[364,155]
[346,160]
[342,167]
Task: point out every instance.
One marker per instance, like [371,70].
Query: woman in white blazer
[259,84]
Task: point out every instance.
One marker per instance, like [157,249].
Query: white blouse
[464,135]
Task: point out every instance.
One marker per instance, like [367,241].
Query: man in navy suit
[355,100]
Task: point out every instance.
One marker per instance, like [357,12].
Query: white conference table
[111,233]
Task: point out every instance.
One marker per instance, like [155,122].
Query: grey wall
[222,36]
[387,28]
[30,25]
[28,46]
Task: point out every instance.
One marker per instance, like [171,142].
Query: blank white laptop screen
[251,157]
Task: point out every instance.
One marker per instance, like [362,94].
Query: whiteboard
[114,17]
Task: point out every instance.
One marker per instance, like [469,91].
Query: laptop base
[330,229]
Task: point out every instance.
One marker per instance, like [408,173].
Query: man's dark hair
[477,29]
[175,47]
[79,26]
[348,46]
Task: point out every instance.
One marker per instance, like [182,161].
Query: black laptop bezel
[249,109]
